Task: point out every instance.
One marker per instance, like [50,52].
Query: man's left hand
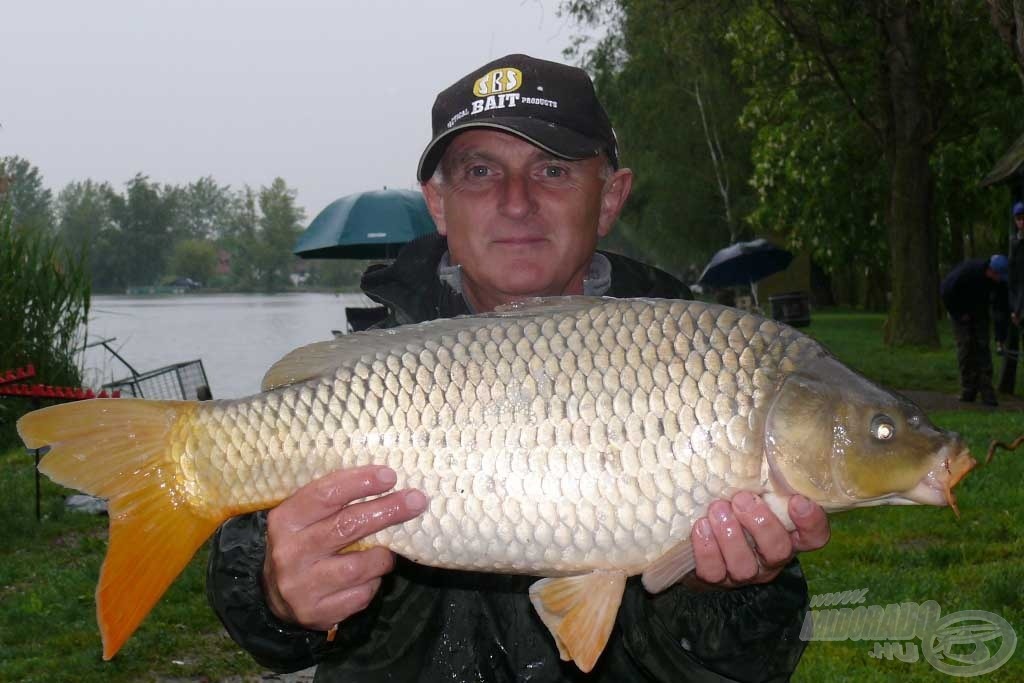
[724,557]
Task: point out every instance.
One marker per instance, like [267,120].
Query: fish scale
[577,416]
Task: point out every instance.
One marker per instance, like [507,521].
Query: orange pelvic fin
[580,612]
[120,449]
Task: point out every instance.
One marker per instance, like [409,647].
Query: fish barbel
[574,438]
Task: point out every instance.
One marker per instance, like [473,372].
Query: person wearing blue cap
[968,292]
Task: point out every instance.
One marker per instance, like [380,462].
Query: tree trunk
[717,163]
[956,242]
[912,309]
[912,239]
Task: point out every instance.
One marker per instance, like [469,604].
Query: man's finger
[339,606]
[740,560]
[812,529]
[332,587]
[706,555]
[324,496]
[359,520]
[771,540]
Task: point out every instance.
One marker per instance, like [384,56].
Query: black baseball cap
[551,105]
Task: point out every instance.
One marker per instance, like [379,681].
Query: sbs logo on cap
[498,81]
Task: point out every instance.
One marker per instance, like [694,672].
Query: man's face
[520,221]
[1019,221]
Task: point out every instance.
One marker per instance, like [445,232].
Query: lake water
[237,336]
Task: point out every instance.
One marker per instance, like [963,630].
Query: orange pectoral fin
[668,569]
[580,612]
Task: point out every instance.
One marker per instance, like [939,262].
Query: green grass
[856,339]
[48,570]
[48,573]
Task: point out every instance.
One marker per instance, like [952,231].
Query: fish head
[843,441]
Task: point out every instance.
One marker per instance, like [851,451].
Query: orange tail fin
[120,449]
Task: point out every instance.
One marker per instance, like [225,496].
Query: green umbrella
[366,225]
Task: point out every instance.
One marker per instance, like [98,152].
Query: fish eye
[882,428]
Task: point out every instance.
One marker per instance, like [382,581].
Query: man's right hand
[306,581]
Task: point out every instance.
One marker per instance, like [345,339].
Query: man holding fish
[522,178]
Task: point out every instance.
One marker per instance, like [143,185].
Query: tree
[195,259]
[279,227]
[913,75]
[1007,17]
[141,239]
[203,209]
[83,219]
[30,204]
[239,238]
[663,71]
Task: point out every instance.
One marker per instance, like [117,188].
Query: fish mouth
[936,487]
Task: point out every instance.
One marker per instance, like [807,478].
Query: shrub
[44,305]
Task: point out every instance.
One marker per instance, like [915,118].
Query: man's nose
[517,196]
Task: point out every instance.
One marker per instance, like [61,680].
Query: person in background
[969,292]
[1016,266]
[522,177]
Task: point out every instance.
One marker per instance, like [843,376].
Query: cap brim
[560,141]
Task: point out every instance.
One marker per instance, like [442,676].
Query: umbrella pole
[753,290]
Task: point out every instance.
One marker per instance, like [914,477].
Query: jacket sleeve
[235,591]
[747,634]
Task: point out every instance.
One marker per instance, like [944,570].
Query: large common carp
[576,439]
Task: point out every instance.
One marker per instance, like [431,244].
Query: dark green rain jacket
[431,624]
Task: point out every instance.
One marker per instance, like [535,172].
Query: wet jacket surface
[430,624]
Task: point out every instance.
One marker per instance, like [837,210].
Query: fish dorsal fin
[668,569]
[313,360]
[580,612]
[545,305]
[316,359]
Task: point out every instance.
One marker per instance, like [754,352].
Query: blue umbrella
[366,225]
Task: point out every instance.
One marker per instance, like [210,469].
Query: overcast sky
[333,96]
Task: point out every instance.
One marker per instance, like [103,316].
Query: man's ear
[435,205]
[613,198]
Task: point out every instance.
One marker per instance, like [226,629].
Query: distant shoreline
[174,291]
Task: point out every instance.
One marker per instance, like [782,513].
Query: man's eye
[478,171]
[554,172]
